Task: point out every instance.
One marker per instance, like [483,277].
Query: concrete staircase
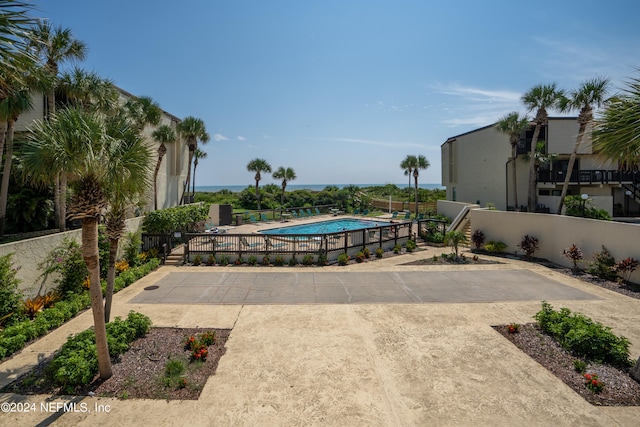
[176,257]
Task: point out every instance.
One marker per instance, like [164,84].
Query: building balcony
[598,176]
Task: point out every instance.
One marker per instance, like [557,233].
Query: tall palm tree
[14,24]
[591,93]
[407,166]
[538,98]
[88,90]
[421,163]
[513,125]
[164,135]
[126,190]
[617,130]
[53,46]
[258,166]
[74,142]
[193,130]
[286,175]
[199,154]
[143,111]
[10,108]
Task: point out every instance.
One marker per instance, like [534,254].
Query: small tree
[455,239]
[478,239]
[574,253]
[529,245]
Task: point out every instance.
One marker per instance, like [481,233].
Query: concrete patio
[420,351]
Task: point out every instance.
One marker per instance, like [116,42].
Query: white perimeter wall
[27,254]
[556,233]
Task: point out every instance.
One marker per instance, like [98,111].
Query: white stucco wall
[556,233]
[27,254]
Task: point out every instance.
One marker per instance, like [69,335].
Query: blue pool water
[322,227]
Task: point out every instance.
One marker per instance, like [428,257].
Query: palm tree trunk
[531,198]
[193,185]
[111,278]
[63,202]
[572,161]
[258,194]
[416,179]
[155,182]
[6,174]
[514,172]
[284,186]
[92,260]
[188,181]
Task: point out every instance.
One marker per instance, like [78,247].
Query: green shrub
[279,261]
[10,295]
[379,253]
[583,336]
[411,245]
[307,259]
[360,257]
[132,246]
[603,265]
[322,260]
[224,260]
[179,218]
[293,261]
[252,260]
[266,260]
[493,246]
[397,249]
[366,252]
[343,259]
[477,238]
[67,263]
[77,361]
[211,260]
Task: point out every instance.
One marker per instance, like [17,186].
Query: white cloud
[219,137]
[241,138]
[479,95]
[266,136]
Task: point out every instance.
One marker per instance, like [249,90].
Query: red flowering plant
[190,343]
[199,353]
[593,383]
[513,328]
[208,338]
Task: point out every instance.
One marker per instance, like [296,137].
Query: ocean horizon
[313,187]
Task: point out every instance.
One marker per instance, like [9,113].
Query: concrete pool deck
[358,364]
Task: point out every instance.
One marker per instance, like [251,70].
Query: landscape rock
[635,371]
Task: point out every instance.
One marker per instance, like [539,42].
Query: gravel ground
[619,390]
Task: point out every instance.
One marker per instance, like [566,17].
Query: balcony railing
[589,177]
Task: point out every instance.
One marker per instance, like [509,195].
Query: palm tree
[407,166]
[10,108]
[126,190]
[421,163]
[617,130]
[513,125]
[143,111]
[257,166]
[199,154]
[54,46]
[14,24]
[286,175]
[590,94]
[74,143]
[538,98]
[164,135]
[193,130]
[88,90]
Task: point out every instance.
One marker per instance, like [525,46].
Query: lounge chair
[407,215]
[365,212]
[294,214]
[318,211]
[302,214]
[394,215]
[264,218]
[252,219]
[217,246]
[309,213]
[247,245]
[356,212]
[272,246]
[421,216]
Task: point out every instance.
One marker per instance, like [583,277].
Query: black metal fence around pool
[232,247]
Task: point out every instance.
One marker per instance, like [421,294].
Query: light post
[584,198]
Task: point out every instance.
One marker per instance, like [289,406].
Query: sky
[343,90]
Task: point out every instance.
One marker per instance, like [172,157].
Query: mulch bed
[139,372]
[619,390]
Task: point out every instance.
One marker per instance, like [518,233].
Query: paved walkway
[260,287]
[366,364]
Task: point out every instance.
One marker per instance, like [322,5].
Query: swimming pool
[322,227]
